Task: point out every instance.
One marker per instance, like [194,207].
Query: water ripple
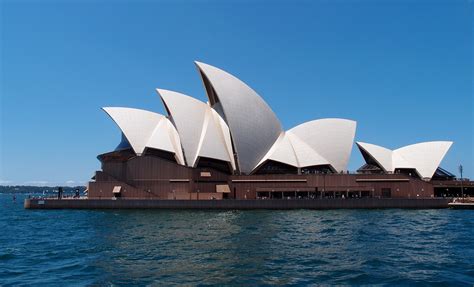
[156,248]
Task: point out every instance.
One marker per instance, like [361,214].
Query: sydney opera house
[234,147]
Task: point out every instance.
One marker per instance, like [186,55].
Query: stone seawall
[363,203]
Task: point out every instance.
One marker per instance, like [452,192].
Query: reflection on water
[235,247]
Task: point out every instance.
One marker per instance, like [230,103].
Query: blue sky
[402,69]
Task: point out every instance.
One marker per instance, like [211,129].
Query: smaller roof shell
[382,156]
[144,129]
[424,157]
[312,144]
[281,151]
[331,138]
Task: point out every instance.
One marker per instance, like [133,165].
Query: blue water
[160,248]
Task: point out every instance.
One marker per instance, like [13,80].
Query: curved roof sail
[187,114]
[310,143]
[332,139]
[291,150]
[378,155]
[253,125]
[144,129]
[306,155]
[281,151]
[424,157]
[238,127]
[202,131]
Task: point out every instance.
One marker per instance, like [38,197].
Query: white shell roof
[291,150]
[237,120]
[254,126]
[332,139]
[425,157]
[310,144]
[381,155]
[202,131]
[144,129]
[305,154]
[282,151]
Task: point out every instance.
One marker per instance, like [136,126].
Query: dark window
[275,167]
[160,153]
[411,172]
[215,164]
[317,169]
[386,192]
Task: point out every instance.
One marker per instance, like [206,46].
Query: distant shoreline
[38,189]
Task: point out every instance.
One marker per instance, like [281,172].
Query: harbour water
[295,247]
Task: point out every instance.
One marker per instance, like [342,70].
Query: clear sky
[402,69]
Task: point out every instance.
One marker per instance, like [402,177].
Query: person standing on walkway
[60,192]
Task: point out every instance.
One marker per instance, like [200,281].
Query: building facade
[234,147]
